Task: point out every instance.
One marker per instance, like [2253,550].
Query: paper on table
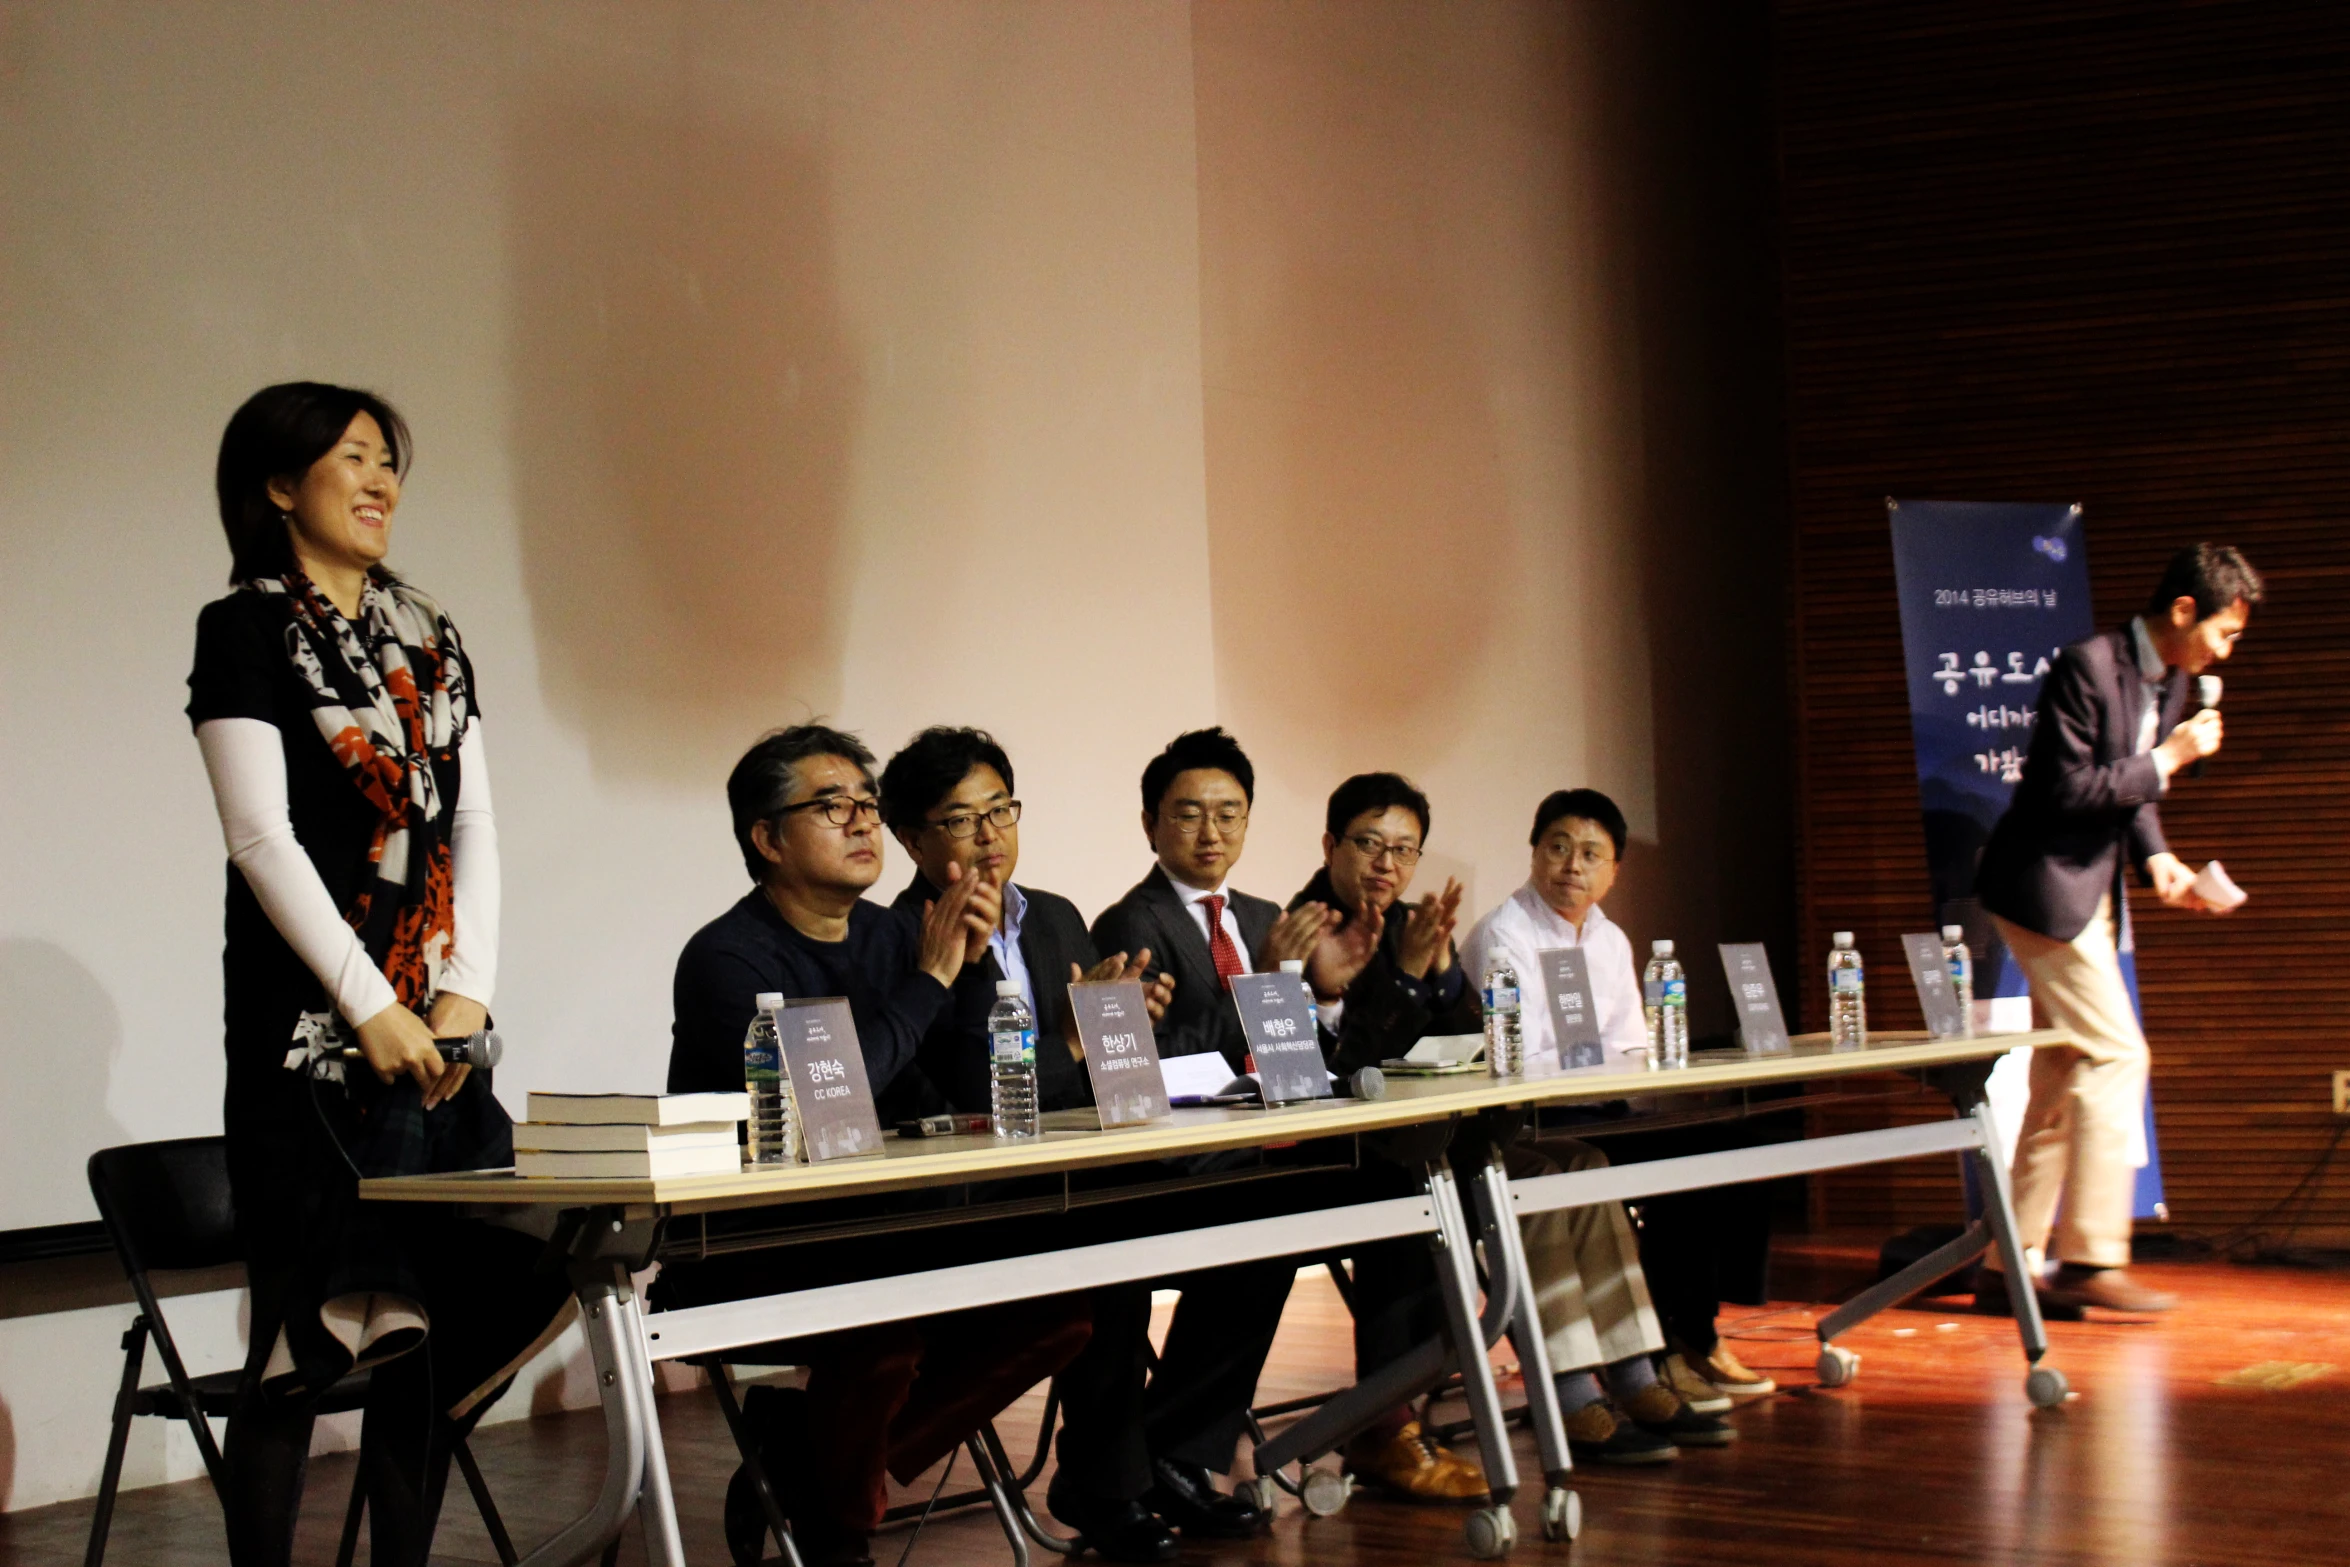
[1203,1075]
[1446,1049]
[2214,888]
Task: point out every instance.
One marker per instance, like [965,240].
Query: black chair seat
[216,1395]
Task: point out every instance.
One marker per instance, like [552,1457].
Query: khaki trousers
[2080,1128]
[1589,1291]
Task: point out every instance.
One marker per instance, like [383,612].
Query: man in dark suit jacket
[1196,796]
[2108,741]
[1126,1471]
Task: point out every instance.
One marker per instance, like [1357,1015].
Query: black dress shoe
[1186,1497]
[1116,1531]
[1991,1299]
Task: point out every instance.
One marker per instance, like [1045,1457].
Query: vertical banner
[1989,594]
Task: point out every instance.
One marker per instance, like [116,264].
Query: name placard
[1574,1016]
[1929,971]
[1756,995]
[1121,1054]
[1277,1018]
[828,1083]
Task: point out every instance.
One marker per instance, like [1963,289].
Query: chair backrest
[166,1204]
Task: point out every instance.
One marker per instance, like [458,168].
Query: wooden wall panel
[2065,251]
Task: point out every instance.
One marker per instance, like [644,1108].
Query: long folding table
[606,1231]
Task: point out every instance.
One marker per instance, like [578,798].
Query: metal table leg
[663,1547]
[624,1382]
[2044,1385]
[1562,1509]
[1491,1531]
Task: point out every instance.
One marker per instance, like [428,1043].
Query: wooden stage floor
[2220,1436]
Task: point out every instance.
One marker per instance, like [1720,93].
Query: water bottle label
[762,1065]
[1676,992]
[1652,992]
[1846,979]
[1014,1044]
[1501,999]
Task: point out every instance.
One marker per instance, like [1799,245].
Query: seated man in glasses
[1578,850]
[897,1397]
[1385,979]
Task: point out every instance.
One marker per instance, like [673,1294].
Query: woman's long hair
[279,432]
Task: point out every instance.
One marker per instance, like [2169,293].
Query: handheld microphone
[484,1050]
[2206,695]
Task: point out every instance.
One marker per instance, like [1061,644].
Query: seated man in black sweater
[895,1397]
[1126,1473]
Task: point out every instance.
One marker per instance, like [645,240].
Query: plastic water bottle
[1664,993]
[1961,964]
[1848,1007]
[763,1074]
[1011,1064]
[1505,1041]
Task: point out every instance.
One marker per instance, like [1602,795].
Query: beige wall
[1086,371]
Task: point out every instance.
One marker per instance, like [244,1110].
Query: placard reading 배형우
[1277,1018]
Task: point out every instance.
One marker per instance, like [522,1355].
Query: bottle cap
[1007,987]
[769,1001]
[1293,965]
[1954,933]
[1662,949]
[1842,938]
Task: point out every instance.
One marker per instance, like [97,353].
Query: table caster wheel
[1326,1491]
[1562,1514]
[1837,1365]
[2045,1387]
[1264,1490]
[1491,1531]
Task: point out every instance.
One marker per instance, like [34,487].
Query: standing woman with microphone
[335,709]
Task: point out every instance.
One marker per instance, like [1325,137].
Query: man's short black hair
[1196,748]
[1374,792]
[762,782]
[2213,575]
[1588,805]
[927,770]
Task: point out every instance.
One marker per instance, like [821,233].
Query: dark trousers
[487,1301]
[899,1396]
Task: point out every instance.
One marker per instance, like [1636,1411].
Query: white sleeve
[1502,932]
[1623,1012]
[472,967]
[247,763]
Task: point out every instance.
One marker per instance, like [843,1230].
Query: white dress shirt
[1525,925]
[2151,673]
[1195,903]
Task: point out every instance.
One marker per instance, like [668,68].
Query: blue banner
[1989,595]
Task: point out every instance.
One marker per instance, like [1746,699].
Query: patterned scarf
[389,696]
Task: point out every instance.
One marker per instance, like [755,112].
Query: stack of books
[631,1136]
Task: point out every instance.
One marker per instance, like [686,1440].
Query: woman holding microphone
[335,708]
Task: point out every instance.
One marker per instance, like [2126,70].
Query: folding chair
[1000,1485]
[166,1208]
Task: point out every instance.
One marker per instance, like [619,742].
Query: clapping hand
[1345,951]
[955,925]
[1295,935]
[1427,934]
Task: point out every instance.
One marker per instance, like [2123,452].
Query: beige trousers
[2087,1102]
[1589,1291]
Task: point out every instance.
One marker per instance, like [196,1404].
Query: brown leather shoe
[2107,1289]
[1413,1466]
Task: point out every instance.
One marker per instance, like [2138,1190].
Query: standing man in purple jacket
[2113,732]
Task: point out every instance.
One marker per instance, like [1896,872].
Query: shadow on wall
[69,1040]
[684,397]
[1359,514]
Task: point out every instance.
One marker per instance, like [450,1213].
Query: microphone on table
[2206,695]
[483,1049]
[1367,1082]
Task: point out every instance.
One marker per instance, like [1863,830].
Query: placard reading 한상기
[1756,995]
[1574,1016]
[1121,1054]
[1277,1018]
[1929,970]
[828,1083]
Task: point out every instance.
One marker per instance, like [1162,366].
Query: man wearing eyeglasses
[1196,796]
[1385,979]
[896,1397]
[947,797]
